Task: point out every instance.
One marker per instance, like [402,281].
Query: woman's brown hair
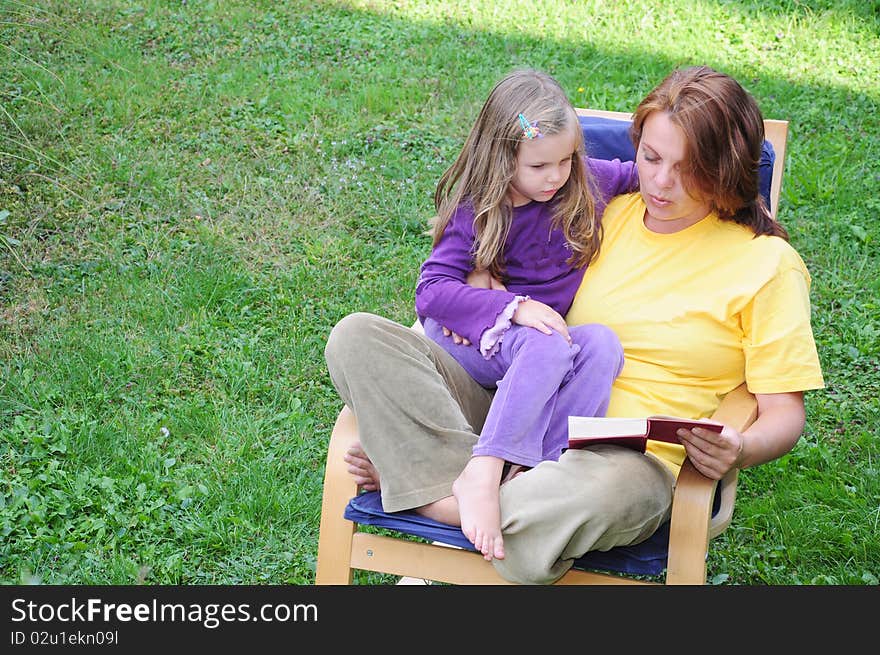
[724,134]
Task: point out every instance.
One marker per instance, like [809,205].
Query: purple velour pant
[541,380]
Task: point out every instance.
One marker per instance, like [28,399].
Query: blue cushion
[608,138]
[646,558]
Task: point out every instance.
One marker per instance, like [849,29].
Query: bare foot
[361,468]
[476,491]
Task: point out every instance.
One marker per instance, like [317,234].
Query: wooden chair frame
[342,548]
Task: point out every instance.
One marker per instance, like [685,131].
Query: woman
[704,292]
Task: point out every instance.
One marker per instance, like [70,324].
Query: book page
[709,422]
[589,426]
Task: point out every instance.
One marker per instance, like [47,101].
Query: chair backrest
[776,132]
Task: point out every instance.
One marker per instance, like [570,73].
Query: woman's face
[661,155]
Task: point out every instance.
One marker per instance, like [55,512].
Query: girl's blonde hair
[482,173]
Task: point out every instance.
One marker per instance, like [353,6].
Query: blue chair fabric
[646,558]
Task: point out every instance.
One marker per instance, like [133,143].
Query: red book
[630,432]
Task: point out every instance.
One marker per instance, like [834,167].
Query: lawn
[193,193]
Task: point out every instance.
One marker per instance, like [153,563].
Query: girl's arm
[612,178]
[442,292]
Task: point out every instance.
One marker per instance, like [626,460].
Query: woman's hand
[480,279]
[456,338]
[713,454]
[777,429]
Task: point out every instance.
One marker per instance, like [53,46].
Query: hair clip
[529,130]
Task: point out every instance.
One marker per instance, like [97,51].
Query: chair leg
[334,540]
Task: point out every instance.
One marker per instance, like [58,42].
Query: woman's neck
[659,226]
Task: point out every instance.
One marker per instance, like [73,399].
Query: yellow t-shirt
[698,312]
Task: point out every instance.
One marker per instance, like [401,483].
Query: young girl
[519,203]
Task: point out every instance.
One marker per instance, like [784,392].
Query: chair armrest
[334,541]
[336,475]
[692,524]
[739,409]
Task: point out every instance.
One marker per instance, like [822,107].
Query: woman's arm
[780,423]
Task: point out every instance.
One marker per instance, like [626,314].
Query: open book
[630,432]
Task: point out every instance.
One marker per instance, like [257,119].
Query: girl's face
[670,207]
[542,167]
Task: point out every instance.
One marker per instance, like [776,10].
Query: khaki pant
[419,414]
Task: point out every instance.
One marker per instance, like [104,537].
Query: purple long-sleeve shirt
[535,256]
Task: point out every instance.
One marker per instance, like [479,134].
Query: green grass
[191,195]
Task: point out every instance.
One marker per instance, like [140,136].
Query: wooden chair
[343,548]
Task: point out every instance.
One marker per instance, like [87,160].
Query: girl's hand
[713,454]
[544,318]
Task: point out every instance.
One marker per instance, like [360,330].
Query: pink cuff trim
[490,341]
